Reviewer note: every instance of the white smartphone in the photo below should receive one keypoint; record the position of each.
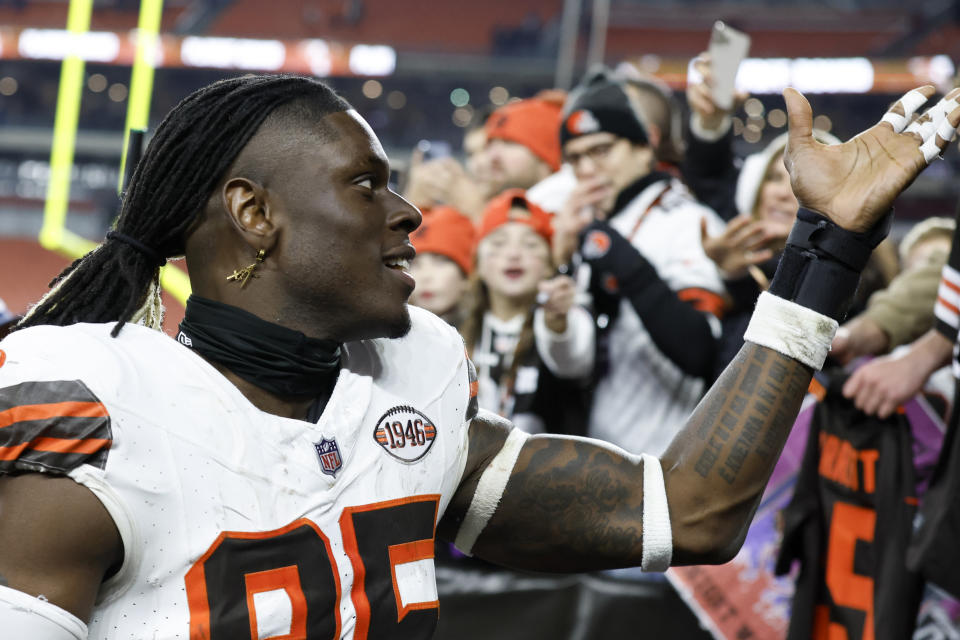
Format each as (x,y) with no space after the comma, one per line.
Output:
(728,47)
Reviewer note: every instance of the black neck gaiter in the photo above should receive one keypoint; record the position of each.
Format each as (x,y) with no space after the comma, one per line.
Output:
(277,359)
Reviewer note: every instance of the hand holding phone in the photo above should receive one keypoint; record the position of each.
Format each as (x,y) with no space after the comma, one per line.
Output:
(728,47)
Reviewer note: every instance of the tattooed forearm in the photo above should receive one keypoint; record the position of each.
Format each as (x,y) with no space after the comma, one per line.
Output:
(771,412)
(574,504)
(711,412)
(757,400)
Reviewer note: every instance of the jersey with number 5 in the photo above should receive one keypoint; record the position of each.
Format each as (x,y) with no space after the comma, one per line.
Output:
(237,523)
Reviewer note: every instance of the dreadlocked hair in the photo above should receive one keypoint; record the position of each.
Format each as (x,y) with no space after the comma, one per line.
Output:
(193,147)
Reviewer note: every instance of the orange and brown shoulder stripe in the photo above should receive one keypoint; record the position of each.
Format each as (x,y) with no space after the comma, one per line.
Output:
(52,426)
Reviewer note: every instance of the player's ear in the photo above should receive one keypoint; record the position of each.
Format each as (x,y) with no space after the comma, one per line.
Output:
(248,207)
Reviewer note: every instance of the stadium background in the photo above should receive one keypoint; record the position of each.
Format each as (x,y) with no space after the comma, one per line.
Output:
(424,70)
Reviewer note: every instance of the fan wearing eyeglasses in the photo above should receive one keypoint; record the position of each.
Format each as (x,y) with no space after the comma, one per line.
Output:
(656,294)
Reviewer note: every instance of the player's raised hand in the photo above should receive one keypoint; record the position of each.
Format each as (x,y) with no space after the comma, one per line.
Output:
(855,183)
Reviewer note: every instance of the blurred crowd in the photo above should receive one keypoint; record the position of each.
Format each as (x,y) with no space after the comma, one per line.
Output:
(595,240)
(601,254)
(601,251)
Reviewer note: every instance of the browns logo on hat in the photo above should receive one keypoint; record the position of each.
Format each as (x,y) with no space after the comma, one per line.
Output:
(533,123)
(582,122)
(446,232)
(599,103)
(512,206)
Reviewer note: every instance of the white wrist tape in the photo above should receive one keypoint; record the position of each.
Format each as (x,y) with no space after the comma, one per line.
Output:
(943,109)
(938,113)
(791,329)
(929,148)
(25,617)
(657,533)
(489,491)
(910,102)
(922,129)
(946,130)
(897,121)
(926,124)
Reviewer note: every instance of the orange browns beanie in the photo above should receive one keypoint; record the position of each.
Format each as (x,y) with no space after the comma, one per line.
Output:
(446,232)
(533,122)
(503,209)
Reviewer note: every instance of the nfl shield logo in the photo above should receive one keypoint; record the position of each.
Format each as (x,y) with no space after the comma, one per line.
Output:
(329,454)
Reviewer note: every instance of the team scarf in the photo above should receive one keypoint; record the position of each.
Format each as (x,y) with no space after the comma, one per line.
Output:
(280,360)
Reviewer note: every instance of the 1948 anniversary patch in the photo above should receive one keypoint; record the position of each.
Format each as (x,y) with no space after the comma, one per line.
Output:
(405,433)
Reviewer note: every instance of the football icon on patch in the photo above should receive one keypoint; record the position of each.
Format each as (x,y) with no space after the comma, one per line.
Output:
(405,433)
(329,454)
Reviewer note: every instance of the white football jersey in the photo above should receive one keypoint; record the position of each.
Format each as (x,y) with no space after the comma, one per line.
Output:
(645,398)
(237,523)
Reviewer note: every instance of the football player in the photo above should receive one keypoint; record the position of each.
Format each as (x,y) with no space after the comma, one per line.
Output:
(282,467)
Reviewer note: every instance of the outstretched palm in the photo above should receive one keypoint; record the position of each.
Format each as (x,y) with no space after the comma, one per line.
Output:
(855,183)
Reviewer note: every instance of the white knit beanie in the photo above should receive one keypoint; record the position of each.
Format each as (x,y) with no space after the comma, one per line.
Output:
(756,165)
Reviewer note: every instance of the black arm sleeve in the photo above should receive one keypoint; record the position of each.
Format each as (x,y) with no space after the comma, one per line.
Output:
(679,330)
(711,173)
(743,292)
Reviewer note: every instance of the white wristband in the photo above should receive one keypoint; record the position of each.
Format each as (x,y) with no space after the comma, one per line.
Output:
(791,329)
(26,616)
(657,532)
(489,490)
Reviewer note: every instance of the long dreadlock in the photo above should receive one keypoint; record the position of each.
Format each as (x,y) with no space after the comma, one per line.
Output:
(193,147)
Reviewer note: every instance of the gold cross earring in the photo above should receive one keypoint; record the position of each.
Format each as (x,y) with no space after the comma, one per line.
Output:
(242,275)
